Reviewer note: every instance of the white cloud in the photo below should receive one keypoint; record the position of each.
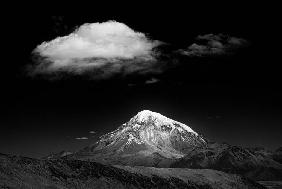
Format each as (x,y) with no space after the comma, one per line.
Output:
(81,138)
(92,132)
(103,49)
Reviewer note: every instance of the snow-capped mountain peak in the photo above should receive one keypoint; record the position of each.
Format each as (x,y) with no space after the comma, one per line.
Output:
(146,134)
(159,120)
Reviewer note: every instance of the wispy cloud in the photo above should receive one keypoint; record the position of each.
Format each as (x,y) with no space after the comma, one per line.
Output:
(81,138)
(211,45)
(92,132)
(152,81)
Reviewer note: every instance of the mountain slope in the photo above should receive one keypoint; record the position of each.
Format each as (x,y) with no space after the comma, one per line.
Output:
(58,155)
(148,136)
(253,163)
(21,172)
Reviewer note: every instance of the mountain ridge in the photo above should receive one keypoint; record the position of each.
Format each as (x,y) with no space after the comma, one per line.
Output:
(63,173)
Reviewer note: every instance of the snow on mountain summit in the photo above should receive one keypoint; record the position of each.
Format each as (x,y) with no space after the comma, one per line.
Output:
(159,120)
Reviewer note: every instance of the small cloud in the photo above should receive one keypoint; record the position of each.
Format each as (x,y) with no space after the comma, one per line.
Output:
(92,132)
(211,44)
(152,80)
(82,138)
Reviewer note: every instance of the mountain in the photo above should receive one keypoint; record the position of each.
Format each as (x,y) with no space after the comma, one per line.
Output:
(21,172)
(153,140)
(148,138)
(149,151)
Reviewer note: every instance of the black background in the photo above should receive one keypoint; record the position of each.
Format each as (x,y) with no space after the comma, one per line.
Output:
(234,99)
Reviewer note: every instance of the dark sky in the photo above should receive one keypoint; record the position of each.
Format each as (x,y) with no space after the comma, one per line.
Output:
(234,99)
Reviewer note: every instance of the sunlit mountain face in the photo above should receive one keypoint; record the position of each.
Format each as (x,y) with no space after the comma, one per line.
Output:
(157,132)
(148,136)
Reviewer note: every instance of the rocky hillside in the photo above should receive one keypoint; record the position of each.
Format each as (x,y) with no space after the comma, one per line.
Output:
(20,172)
(60,154)
(254,163)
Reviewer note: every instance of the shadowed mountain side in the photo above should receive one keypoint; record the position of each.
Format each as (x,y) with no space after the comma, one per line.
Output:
(22,172)
(58,155)
(134,159)
(254,163)
(271,184)
(277,155)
